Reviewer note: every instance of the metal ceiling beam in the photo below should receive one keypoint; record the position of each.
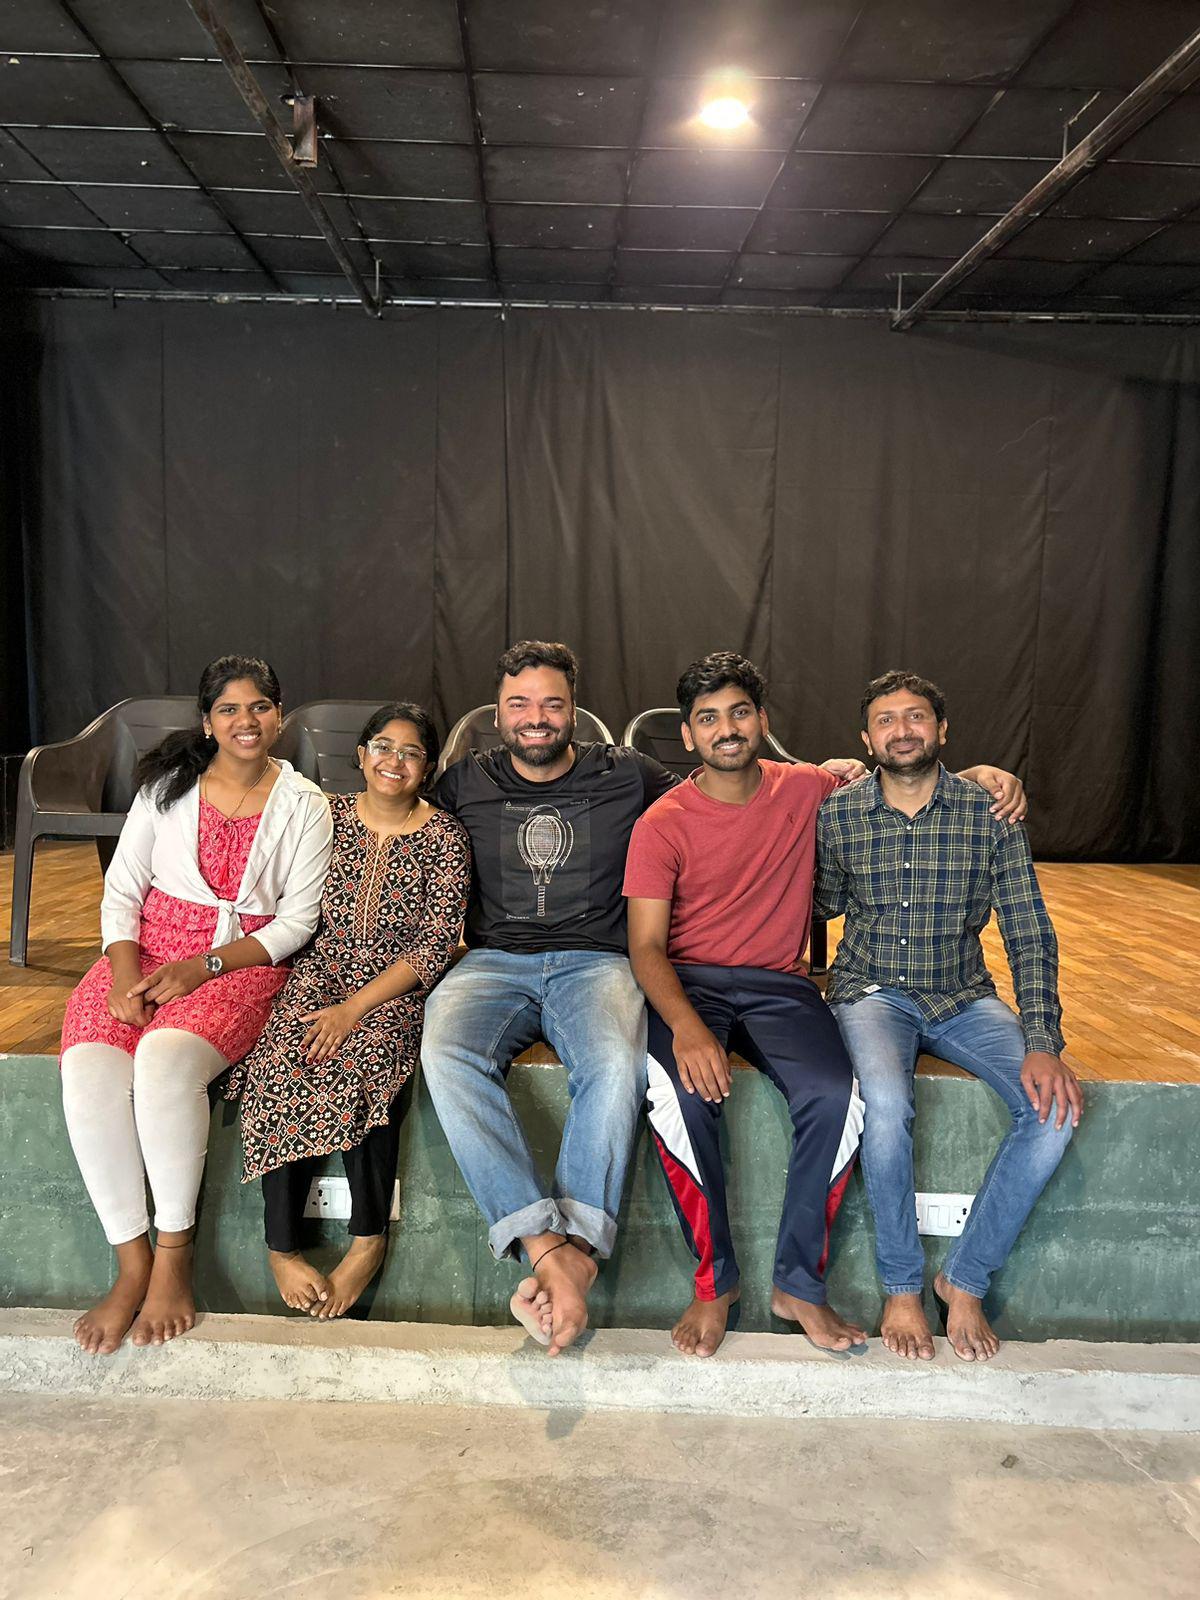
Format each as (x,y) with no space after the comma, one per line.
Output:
(464,42)
(256,103)
(1175,74)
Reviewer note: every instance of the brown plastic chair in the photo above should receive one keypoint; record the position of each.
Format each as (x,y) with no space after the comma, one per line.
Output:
(320,740)
(656,733)
(82,788)
(477,731)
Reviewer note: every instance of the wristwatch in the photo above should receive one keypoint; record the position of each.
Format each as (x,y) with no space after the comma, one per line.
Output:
(213,964)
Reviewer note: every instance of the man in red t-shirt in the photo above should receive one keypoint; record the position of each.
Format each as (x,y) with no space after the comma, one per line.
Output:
(719,881)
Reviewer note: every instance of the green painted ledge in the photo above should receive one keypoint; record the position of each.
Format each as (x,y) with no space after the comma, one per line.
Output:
(1112,1251)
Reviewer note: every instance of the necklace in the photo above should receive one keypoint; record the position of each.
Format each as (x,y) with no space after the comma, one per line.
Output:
(391,833)
(246,793)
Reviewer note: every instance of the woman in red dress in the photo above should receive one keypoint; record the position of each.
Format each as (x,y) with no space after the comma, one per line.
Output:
(215,883)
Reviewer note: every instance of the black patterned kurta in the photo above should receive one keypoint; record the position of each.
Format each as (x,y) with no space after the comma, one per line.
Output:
(385,900)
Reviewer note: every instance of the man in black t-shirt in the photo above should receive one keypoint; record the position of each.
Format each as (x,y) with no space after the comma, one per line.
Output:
(549,820)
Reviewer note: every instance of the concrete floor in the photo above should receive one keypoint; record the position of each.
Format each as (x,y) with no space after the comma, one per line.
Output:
(130,1499)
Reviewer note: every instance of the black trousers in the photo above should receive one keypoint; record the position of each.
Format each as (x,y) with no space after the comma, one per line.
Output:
(370,1171)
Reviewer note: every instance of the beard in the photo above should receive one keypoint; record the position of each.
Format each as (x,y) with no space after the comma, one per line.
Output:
(737,760)
(909,763)
(537,755)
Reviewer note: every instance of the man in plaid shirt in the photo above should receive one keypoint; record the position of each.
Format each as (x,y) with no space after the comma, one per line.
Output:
(917,861)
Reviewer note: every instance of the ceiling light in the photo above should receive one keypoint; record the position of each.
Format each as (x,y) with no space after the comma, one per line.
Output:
(725,113)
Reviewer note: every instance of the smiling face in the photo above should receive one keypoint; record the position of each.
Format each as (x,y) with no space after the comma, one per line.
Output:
(394,762)
(726,729)
(244,722)
(903,733)
(535,713)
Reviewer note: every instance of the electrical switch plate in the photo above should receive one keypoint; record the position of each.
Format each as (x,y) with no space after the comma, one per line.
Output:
(330,1197)
(943,1216)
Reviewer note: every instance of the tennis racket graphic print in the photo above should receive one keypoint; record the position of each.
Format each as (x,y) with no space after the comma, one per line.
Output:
(545,840)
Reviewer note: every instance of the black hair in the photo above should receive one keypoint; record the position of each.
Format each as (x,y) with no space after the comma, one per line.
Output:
(404,711)
(173,766)
(893,683)
(716,671)
(537,653)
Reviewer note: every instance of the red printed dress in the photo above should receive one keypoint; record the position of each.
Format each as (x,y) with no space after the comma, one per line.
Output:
(229,1011)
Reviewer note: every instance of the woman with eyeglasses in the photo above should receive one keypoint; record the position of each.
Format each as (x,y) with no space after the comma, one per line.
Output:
(215,883)
(345,1033)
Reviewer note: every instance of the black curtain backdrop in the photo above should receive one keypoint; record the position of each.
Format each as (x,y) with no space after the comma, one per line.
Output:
(380,507)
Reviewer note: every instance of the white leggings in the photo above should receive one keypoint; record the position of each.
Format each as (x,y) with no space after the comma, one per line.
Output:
(138,1117)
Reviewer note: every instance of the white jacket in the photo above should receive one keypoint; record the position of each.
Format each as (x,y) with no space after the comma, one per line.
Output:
(284,876)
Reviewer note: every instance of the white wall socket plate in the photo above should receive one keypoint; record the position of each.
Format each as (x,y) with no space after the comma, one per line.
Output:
(944,1216)
(330,1197)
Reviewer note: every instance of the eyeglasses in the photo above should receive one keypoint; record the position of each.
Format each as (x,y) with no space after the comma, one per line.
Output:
(404,752)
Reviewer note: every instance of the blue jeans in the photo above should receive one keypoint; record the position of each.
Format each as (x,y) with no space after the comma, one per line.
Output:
(492,1006)
(884,1034)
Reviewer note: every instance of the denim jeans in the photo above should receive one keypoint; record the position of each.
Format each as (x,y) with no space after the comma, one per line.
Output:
(884,1033)
(488,1009)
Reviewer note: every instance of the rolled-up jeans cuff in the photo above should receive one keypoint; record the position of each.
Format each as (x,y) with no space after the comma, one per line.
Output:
(953,1279)
(585,1222)
(904,1288)
(543,1216)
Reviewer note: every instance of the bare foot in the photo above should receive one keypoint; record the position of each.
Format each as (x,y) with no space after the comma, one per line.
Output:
(905,1330)
(968,1330)
(299,1283)
(100,1331)
(530,1305)
(822,1324)
(168,1309)
(565,1275)
(701,1328)
(352,1275)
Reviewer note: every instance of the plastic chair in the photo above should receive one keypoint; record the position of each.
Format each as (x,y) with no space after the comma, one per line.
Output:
(320,739)
(656,733)
(477,731)
(82,788)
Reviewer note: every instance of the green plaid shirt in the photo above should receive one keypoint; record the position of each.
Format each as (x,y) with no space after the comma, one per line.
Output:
(918,891)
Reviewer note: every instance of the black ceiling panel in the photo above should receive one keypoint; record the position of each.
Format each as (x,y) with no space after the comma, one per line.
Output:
(555,227)
(166,28)
(1077,239)
(553,266)
(791,272)
(106,277)
(563,111)
(91,155)
(216,282)
(881,272)
(915,234)
(1030,122)
(439,288)
(925,119)
(17,164)
(199,96)
(640,294)
(849,183)
(685,227)
(1118,190)
(126,206)
(989,188)
(807,231)
(771,38)
(168,250)
(38,25)
(738,296)
(413,171)
(1144,281)
(233,161)
(44,205)
(703,177)
(432,221)
(585,177)
(86,249)
(397,33)
(1113,43)
(75,93)
(673,266)
(326,284)
(304,255)
(433,261)
(390,104)
(1179,242)
(1028,278)
(964,41)
(255,212)
(547,36)
(777,111)
(1173,135)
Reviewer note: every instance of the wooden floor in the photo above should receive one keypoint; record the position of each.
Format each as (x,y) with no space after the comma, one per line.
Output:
(1129,936)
